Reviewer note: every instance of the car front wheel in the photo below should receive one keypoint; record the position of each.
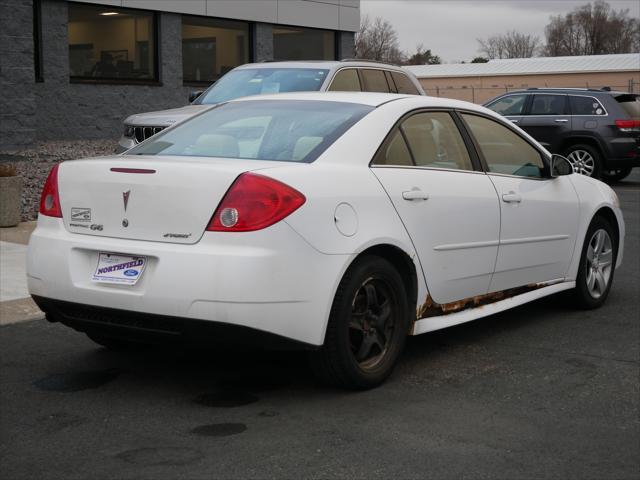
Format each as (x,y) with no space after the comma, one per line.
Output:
(367,326)
(597,264)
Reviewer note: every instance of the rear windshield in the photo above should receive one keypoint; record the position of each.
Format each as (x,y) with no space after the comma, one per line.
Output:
(257,81)
(285,130)
(630,104)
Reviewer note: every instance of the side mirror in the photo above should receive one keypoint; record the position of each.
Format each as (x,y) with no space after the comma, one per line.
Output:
(560,166)
(194,94)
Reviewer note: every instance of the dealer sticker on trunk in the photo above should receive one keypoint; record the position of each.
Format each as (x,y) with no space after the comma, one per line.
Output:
(120,269)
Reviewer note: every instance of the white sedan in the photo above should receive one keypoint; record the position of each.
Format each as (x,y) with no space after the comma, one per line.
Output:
(339,222)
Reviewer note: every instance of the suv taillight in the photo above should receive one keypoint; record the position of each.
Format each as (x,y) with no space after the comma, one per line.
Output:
(50,200)
(628,125)
(254,202)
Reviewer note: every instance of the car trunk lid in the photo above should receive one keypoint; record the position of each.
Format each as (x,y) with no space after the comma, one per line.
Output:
(162,199)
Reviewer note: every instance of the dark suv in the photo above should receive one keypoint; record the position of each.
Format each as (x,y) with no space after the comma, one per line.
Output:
(597,130)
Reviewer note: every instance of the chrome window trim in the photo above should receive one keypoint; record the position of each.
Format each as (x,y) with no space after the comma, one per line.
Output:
(418,167)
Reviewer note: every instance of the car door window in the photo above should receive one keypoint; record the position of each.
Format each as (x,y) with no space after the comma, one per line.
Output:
(390,82)
(374,81)
(346,81)
(504,150)
(403,84)
(435,141)
(549,105)
(586,106)
(509,105)
(394,151)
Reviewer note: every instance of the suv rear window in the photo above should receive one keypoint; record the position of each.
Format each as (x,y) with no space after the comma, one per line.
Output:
(285,130)
(403,84)
(630,104)
(581,105)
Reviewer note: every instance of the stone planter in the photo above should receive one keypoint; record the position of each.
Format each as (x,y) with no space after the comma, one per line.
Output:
(10,201)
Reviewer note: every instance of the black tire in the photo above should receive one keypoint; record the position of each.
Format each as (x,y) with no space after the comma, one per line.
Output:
(111,343)
(364,337)
(615,175)
(583,295)
(585,159)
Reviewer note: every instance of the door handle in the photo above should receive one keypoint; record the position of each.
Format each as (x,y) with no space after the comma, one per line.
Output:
(415,194)
(513,120)
(561,120)
(511,197)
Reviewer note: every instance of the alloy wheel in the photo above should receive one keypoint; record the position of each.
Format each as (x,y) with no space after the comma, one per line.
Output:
(372,322)
(599,263)
(582,162)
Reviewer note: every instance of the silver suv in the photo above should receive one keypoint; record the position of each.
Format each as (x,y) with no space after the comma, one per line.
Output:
(275,77)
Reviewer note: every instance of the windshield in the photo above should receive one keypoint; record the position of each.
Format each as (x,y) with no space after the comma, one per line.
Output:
(257,81)
(285,130)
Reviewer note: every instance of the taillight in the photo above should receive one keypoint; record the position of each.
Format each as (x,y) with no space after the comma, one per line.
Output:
(50,200)
(254,202)
(628,125)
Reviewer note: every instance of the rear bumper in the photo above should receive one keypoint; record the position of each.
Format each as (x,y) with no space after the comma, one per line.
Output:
(623,152)
(149,328)
(271,280)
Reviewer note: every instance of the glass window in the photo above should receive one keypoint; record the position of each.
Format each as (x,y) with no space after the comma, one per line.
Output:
(504,150)
(549,105)
(630,103)
(374,80)
(346,81)
(509,105)
(291,43)
(404,84)
(394,151)
(586,106)
(285,130)
(111,43)
(435,141)
(212,47)
(255,81)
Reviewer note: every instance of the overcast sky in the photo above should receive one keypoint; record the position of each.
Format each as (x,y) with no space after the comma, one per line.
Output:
(450,27)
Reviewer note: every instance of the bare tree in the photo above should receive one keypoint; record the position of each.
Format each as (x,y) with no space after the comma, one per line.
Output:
(593,29)
(510,45)
(378,40)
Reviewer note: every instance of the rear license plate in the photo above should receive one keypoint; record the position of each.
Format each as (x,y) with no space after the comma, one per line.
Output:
(120,269)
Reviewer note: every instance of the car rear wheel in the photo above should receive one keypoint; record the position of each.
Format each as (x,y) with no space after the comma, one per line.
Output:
(585,160)
(367,326)
(597,264)
(616,175)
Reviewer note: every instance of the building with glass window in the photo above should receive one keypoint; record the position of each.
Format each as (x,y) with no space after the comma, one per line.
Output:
(72,69)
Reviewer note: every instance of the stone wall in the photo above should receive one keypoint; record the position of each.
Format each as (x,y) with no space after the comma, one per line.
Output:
(17,97)
(87,110)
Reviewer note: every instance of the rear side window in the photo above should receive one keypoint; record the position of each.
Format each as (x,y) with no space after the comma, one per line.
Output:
(586,106)
(509,105)
(504,151)
(630,104)
(435,141)
(374,81)
(394,151)
(285,130)
(346,81)
(549,105)
(404,84)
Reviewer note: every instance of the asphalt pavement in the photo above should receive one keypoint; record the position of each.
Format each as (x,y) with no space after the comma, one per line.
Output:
(542,391)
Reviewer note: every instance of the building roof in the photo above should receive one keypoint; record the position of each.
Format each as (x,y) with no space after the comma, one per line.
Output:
(532,66)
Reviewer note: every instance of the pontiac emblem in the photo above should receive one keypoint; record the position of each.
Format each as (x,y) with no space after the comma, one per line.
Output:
(125,199)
